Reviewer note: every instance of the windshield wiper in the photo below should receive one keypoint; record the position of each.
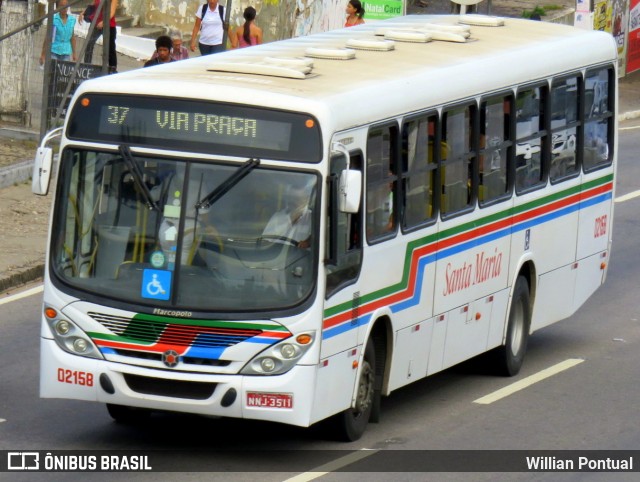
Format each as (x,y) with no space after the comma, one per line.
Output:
(227,184)
(137,175)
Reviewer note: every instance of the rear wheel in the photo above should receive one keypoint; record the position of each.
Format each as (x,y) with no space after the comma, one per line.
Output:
(351,424)
(511,354)
(129,415)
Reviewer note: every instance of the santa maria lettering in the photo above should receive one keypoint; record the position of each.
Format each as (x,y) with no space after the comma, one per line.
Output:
(206,123)
(487,266)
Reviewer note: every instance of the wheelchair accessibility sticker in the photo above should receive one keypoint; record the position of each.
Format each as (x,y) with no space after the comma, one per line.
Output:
(156,284)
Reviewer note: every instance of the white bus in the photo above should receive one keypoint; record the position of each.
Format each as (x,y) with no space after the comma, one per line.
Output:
(270,234)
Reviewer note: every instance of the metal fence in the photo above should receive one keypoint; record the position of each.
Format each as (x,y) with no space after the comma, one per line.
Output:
(25,102)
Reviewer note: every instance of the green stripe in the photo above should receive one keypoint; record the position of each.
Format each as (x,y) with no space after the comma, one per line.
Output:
(117,338)
(231,325)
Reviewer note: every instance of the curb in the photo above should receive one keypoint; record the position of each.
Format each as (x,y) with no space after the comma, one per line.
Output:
(20,134)
(16,173)
(24,276)
(629,115)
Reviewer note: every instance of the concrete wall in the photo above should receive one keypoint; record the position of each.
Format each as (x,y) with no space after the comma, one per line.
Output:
(279,19)
(14,60)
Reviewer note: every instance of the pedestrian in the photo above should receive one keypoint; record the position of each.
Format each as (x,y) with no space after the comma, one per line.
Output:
(249,33)
(97,32)
(210,26)
(355,13)
(178,51)
(63,44)
(162,53)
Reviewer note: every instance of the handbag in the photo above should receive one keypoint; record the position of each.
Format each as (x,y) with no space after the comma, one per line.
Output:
(88,13)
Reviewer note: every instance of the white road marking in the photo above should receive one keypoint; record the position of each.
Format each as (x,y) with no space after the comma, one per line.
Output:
(530,380)
(3,420)
(24,294)
(626,197)
(628,128)
(332,466)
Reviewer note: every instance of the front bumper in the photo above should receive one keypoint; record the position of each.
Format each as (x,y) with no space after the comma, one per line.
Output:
(63,375)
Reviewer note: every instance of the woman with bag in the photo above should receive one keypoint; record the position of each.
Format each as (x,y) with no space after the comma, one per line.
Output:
(210,25)
(97,32)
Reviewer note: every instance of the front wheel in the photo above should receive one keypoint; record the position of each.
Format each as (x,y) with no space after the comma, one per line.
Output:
(351,424)
(511,354)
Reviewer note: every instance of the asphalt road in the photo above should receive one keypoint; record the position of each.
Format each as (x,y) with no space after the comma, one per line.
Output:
(592,405)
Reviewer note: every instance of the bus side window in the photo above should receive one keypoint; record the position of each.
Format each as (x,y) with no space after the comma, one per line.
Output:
(344,232)
(531,138)
(381,183)
(598,115)
(495,147)
(419,167)
(457,160)
(564,128)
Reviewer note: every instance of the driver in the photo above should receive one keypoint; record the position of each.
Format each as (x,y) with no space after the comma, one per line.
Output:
(293,223)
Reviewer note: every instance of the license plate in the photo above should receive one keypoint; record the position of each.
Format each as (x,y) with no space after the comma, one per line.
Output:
(269,400)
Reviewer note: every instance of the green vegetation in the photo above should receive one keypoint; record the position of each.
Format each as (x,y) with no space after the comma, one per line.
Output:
(540,11)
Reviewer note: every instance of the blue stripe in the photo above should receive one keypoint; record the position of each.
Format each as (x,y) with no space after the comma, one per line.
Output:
(207,353)
(596,200)
(263,341)
(346,326)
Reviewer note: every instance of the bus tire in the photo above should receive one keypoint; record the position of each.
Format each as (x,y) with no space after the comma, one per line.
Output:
(352,423)
(128,415)
(511,354)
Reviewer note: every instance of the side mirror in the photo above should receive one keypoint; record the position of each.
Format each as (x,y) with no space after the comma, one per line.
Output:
(42,171)
(42,164)
(349,191)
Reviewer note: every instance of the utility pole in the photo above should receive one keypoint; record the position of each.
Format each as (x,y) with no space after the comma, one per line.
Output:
(106,35)
(46,82)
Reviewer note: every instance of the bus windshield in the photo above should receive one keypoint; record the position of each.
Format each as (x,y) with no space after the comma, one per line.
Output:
(185,234)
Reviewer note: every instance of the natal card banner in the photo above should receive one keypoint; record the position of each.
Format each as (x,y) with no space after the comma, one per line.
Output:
(611,16)
(633,47)
(382,9)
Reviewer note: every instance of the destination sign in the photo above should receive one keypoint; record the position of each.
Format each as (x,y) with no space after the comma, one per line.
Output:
(187,125)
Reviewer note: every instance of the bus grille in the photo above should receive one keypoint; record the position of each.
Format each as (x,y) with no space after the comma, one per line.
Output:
(169,388)
(189,360)
(151,331)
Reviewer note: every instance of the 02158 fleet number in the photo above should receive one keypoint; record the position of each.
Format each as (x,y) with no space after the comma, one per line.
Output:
(75,377)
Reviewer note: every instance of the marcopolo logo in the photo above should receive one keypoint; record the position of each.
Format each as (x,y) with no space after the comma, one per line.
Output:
(23,461)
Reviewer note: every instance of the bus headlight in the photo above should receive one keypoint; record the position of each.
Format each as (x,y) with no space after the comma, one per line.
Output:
(62,327)
(72,339)
(281,357)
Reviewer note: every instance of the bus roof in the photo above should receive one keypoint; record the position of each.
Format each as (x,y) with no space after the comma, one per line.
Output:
(376,84)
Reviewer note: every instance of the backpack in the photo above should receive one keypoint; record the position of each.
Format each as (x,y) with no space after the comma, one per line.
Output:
(205,7)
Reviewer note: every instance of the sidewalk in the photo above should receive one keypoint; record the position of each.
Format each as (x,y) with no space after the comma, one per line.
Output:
(24,217)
